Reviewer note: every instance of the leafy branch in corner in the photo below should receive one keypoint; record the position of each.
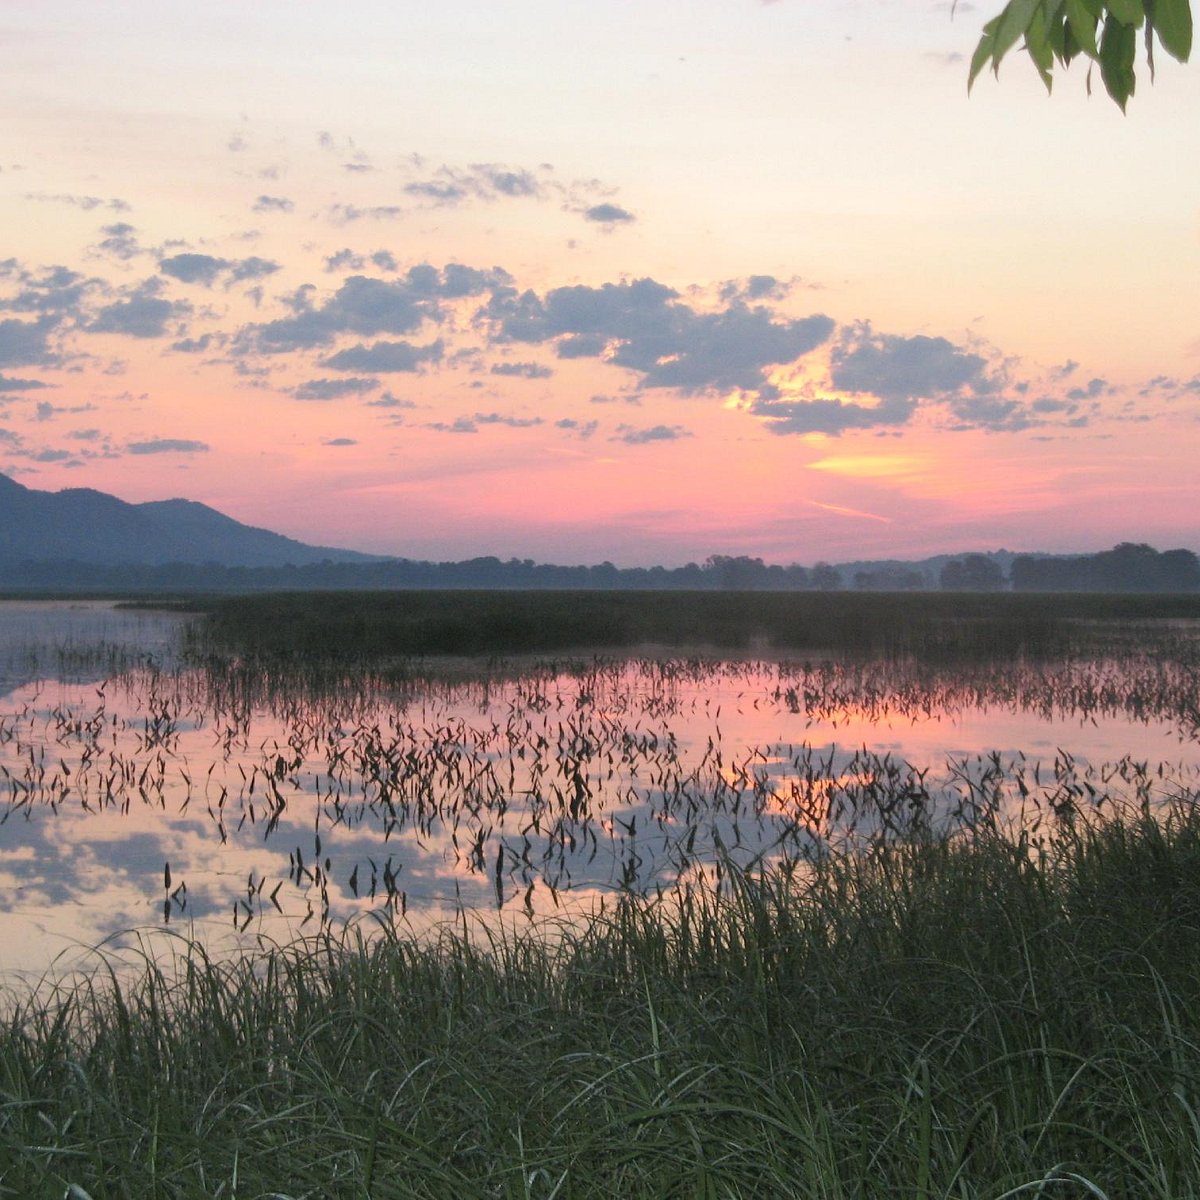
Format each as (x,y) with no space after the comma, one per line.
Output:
(1103,31)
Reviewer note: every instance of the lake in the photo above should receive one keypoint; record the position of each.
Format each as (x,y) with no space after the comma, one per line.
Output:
(141,793)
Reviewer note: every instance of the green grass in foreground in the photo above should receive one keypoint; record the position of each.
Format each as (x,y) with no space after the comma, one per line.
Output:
(946,1020)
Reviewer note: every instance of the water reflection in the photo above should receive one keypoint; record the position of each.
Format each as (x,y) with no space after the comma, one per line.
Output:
(203,800)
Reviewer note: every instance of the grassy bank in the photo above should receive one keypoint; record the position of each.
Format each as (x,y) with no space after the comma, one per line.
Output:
(967,1019)
(350,627)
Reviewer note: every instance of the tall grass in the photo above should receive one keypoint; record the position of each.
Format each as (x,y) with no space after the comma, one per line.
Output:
(978,1017)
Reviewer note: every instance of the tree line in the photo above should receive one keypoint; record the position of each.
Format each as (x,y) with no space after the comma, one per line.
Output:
(1128,567)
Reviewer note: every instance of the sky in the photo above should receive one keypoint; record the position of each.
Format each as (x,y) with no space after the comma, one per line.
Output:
(637,282)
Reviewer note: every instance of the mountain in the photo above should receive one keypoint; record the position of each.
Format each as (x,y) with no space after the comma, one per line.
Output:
(86,526)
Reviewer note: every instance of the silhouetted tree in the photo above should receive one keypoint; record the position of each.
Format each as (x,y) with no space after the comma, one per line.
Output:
(972,573)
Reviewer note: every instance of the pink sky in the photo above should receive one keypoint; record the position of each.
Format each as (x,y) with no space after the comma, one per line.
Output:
(637,282)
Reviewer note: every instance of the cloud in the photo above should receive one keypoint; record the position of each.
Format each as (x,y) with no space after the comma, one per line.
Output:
(471,424)
(26,343)
(608,214)
(384,357)
(644,326)
(205,269)
(581,429)
(120,241)
(268,204)
(754,287)
(368,306)
(143,313)
(387,400)
(1094,388)
(494,418)
(522,370)
(993,413)
(167,446)
(9,383)
(459,425)
(251,268)
(655,433)
(829,416)
(193,268)
(87,203)
(196,345)
(340,441)
(56,289)
(333,389)
(900,368)
(450,186)
(344,259)
(344,214)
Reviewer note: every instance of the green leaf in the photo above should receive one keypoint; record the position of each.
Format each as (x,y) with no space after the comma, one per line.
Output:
(1037,43)
(1014,21)
(1083,26)
(1128,12)
(984,51)
(1172,21)
(1118,44)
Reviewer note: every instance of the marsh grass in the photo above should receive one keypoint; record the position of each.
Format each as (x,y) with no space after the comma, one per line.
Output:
(317,629)
(975,1017)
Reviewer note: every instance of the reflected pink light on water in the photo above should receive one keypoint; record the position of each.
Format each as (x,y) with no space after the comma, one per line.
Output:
(167,798)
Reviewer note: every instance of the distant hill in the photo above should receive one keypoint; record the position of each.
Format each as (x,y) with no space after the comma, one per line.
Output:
(85,526)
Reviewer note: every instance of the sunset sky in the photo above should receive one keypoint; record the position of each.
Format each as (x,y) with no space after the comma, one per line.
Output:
(641,282)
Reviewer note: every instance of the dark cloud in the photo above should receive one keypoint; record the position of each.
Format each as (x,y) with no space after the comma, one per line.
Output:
(581,429)
(26,343)
(608,214)
(167,446)
(56,289)
(340,441)
(120,241)
(251,268)
(9,383)
(655,433)
(829,416)
(644,326)
(193,268)
(387,400)
(45,411)
(385,260)
(449,186)
(899,368)
(195,345)
(368,306)
(267,204)
(581,345)
(1047,404)
(1094,388)
(143,313)
(334,389)
(754,287)
(205,269)
(471,424)
(384,357)
(522,370)
(992,413)
(459,425)
(343,260)
(494,418)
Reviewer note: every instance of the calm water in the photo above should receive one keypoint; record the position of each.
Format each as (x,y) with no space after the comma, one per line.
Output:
(134,794)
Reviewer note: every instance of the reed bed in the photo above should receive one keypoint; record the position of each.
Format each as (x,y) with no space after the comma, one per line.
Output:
(356,628)
(967,1017)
